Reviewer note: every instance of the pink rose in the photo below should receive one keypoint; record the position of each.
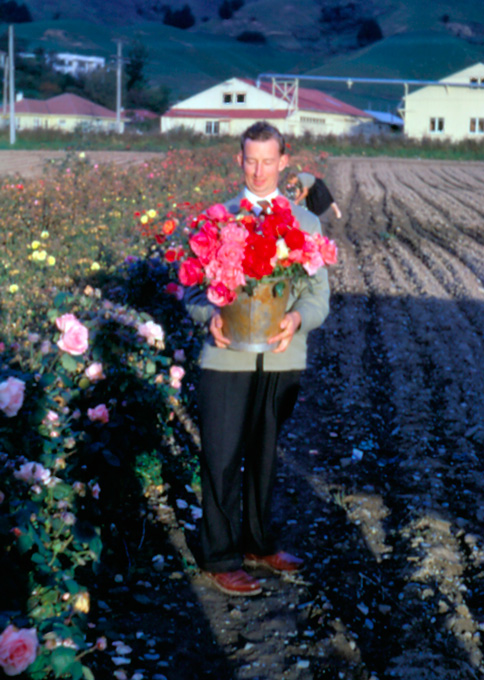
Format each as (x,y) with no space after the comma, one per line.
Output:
(234,233)
(100,414)
(18,649)
(219,295)
(95,371)
(191,272)
(205,242)
(218,212)
(11,396)
(327,248)
(74,337)
(152,331)
(176,376)
(232,277)
(230,253)
(32,473)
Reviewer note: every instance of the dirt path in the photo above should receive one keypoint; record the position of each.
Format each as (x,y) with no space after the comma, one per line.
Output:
(29,164)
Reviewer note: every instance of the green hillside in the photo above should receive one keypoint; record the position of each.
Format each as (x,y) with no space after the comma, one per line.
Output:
(416,56)
(185,62)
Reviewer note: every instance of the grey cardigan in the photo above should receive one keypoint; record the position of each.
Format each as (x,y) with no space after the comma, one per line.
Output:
(309,298)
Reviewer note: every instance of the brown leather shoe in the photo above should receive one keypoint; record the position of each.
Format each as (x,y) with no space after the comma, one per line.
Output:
(235,582)
(279,562)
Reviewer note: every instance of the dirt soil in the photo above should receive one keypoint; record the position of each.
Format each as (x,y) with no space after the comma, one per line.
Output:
(381,484)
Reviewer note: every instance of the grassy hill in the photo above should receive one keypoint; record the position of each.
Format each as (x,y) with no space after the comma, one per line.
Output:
(419,44)
(185,62)
(416,56)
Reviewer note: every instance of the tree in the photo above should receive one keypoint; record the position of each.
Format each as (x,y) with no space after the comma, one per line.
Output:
(182,18)
(12,12)
(254,37)
(135,67)
(369,32)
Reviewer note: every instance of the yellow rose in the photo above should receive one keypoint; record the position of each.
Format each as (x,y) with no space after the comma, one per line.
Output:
(35,255)
(143,219)
(152,213)
(34,245)
(95,266)
(42,255)
(82,602)
(13,288)
(44,234)
(51,260)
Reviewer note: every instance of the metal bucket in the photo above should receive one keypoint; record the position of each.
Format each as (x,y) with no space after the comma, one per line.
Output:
(252,319)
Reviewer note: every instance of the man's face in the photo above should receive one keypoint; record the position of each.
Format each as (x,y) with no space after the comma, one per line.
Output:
(261,163)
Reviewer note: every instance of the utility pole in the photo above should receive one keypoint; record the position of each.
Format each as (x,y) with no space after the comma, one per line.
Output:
(11,80)
(119,71)
(5,83)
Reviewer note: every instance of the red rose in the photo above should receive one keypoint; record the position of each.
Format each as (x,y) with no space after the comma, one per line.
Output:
(294,239)
(259,251)
(191,272)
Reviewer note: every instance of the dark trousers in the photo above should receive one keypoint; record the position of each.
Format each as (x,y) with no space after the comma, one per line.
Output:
(241,414)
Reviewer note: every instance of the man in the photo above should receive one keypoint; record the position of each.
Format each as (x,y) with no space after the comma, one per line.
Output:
(244,398)
(306,189)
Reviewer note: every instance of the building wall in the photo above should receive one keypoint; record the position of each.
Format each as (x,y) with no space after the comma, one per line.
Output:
(452,113)
(32,121)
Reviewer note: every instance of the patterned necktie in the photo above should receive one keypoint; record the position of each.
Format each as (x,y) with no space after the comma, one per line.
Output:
(265,207)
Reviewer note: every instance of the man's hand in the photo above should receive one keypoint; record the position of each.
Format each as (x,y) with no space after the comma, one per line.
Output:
(289,325)
(216,324)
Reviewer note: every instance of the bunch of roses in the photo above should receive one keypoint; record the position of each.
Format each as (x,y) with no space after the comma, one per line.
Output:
(227,250)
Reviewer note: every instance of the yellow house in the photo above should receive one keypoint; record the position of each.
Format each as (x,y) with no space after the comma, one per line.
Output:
(65,112)
(230,107)
(453,112)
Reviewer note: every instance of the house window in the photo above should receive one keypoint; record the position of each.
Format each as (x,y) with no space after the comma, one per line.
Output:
(476,126)
(436,125)
(212,127)
(240,97)
(227,97)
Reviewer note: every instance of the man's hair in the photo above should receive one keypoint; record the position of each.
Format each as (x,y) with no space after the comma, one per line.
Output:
(261,132)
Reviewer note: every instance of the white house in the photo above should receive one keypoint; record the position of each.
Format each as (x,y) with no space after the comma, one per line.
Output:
(448,112)
(76,64)
(230,107)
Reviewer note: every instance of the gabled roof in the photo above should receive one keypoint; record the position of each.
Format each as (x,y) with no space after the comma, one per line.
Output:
(308,100)
(315,100)
(64,105)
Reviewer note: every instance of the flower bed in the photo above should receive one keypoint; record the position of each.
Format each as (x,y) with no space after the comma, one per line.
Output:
(96,361)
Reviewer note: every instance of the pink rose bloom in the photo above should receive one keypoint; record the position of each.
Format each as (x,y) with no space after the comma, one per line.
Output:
(218,212)
(32,473)
(281,202)
(11,396)
(190,272)
(327,248)
(98,414)
(74,337)
(230,253)
(219,295)
(176,376)
(205,242)
(18,649)
(232,277)
(95,371)
(233,232)
(95,490)
(312,256)
(152,332)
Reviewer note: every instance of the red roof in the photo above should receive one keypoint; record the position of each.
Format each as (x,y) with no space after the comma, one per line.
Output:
(64,105)
(315,100)
(224,113)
